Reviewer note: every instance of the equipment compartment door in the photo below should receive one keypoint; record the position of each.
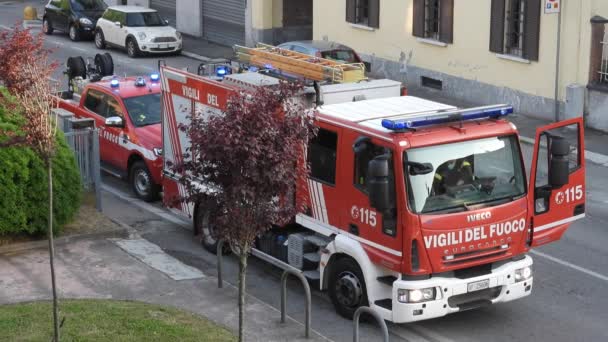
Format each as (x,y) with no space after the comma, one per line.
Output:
(553,206)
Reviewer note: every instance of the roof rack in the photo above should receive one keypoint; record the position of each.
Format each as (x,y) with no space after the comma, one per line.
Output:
(412,121)
(309,67)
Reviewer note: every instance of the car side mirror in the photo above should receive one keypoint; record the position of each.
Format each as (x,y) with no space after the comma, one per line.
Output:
(166,21)
(115,121)
(559,171)
(378,183)
(117,23)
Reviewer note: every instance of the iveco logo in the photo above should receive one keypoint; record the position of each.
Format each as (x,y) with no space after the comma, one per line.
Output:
(479,216)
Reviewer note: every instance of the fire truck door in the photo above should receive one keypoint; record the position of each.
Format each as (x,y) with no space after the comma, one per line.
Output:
(556,195)
(377,230)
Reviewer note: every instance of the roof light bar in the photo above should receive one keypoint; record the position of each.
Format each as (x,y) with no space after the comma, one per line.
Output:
(447,116)
(154,77)
(114,83)
(140,82)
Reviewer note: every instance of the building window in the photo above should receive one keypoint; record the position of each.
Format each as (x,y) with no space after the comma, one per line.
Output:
(433,19)
(363,12)
(515,28)
(603,70)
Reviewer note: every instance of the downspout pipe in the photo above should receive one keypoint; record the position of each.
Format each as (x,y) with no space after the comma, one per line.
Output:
(557,61)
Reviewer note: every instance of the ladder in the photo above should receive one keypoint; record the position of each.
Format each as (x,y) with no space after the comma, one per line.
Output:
(300,64)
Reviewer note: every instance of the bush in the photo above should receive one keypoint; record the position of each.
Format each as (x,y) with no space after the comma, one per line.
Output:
(23,185)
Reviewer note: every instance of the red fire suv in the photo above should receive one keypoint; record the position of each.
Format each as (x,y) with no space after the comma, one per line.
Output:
(127,113)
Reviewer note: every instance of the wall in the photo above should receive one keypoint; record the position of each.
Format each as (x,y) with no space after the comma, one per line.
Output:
(467,68)
(267,24)
(194,23)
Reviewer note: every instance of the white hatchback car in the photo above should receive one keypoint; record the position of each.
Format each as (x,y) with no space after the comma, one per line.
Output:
(137,29)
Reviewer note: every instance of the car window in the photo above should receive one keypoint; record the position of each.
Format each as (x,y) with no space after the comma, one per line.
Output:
(340,55)
(144,110)
(64,4)
(300,49)
(145,19)
(113,107)
(88,5)
(108,15)
(94,101)
(121,17)
(56,3)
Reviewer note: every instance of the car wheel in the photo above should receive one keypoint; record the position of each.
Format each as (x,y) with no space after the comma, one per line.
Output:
(347,287)
(206,232)
(100,41)
(47,27)
(142,183)
(74,33)
(132,48)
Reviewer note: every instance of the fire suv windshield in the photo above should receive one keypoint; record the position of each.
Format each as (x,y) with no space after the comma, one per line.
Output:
(476,172)
(144,110)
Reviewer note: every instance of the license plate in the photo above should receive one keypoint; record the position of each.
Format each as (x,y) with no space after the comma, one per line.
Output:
(478,285)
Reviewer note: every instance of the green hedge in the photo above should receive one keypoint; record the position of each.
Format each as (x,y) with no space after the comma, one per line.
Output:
(24,189)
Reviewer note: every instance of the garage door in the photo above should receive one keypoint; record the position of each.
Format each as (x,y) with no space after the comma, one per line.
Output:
(224,21)
(166,9)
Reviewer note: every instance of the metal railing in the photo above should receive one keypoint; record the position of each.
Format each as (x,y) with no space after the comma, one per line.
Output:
(304,282)
(83,139)
(380,320)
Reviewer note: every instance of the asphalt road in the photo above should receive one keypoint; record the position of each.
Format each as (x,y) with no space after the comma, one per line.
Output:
(568,302)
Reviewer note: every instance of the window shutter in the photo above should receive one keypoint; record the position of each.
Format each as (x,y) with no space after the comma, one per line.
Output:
(446,23)
(531,29)
(374,13)
(350,11)
(497,26)
(418,19)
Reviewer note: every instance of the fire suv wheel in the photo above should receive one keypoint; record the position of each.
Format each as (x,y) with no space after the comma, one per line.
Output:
(205,231)
(347,287)
(73,33)
(100,40)
(142,183)
(132,48)
(47,27)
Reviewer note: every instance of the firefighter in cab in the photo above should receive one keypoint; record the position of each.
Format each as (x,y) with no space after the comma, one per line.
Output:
(452,173)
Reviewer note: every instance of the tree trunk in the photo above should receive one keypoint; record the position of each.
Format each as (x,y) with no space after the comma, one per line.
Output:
(242,273)
(52,253)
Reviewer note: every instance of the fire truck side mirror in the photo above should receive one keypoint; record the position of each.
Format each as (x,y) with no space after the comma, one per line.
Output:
(114,121)
(559,170)
(378,183)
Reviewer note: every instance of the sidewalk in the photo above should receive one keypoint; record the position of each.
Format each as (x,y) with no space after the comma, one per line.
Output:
(100,268)
(596,142)
(204,50)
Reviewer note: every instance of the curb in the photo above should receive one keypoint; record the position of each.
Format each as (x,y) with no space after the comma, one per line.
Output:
(195,56)
(596,158)
(24,246)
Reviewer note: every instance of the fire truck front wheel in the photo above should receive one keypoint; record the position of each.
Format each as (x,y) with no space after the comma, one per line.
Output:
(205,232)
(347,288)
(142,183)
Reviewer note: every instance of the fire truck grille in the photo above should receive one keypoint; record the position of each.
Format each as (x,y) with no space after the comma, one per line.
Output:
(164,40)
(478,255)
(475,299)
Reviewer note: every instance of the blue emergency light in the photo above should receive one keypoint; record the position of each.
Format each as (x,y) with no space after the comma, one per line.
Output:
(445,117)
(114,83)
(154,77)
(221,71)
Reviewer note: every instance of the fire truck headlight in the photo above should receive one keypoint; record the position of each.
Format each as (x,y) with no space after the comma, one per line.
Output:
(158,151)
(416,296)
(523,274)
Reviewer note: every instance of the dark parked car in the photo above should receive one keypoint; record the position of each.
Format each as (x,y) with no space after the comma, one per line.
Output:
(76,17)
(324,49)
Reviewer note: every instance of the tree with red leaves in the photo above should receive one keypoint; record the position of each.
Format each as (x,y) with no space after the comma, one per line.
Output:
(25,71)
(246,165)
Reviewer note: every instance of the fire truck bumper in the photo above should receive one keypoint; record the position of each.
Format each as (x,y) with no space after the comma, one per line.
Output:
(505,283)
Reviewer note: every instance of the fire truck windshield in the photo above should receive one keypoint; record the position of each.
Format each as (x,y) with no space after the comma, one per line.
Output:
(475,172)
(144,110)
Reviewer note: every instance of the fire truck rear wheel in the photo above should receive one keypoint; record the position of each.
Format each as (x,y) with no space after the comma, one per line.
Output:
(205,231)
(142,183)
(347,288)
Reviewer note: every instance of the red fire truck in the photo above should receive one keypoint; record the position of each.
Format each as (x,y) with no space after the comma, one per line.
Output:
(416,208)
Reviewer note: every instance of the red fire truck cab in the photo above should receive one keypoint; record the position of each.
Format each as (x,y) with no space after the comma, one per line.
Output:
(415,208)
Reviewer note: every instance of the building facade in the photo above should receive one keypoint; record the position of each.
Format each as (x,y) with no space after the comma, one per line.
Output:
(484,51)
(229,22)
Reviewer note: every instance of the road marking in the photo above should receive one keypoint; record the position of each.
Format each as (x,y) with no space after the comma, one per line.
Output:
(153,256)
(572,266)
(148,207)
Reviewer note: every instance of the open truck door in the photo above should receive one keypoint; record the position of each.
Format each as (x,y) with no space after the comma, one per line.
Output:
(556,195)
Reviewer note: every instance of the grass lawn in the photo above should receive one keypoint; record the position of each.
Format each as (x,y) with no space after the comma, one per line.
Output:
(104,320)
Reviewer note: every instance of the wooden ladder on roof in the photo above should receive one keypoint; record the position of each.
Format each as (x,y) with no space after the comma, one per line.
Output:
(300,64)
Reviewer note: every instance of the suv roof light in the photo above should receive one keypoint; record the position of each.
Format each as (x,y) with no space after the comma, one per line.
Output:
(428,119)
